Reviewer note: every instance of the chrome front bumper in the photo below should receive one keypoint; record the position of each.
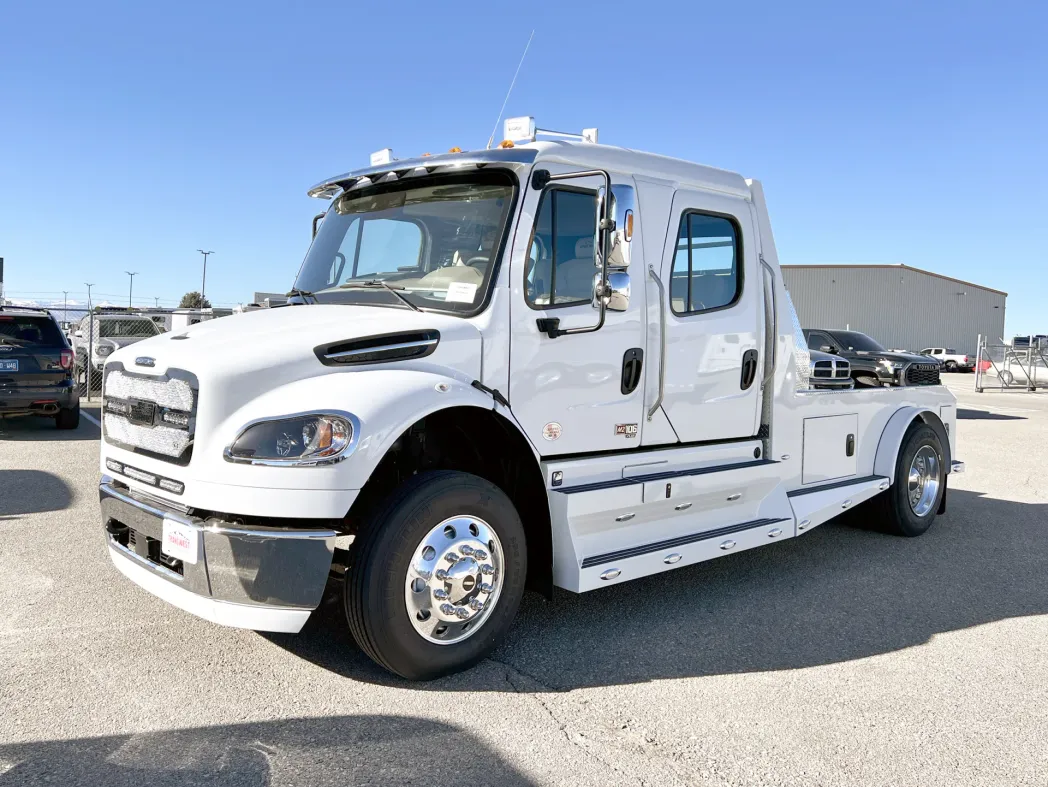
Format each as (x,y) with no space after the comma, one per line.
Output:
(262,578)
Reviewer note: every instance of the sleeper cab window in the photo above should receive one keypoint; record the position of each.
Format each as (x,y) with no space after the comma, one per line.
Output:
(562,259)
(705,272)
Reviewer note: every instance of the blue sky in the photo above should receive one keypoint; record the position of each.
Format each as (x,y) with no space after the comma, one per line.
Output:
(133,134)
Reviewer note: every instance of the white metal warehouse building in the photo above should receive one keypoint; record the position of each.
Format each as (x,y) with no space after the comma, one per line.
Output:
(899,306)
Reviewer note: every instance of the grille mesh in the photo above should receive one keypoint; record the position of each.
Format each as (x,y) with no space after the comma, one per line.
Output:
(176,394)
(923,374)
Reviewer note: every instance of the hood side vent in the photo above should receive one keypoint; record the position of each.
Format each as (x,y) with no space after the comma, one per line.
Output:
(384,348)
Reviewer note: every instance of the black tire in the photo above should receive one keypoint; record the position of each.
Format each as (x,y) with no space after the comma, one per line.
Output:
(68,417)
(951,366)
(867,381)
(374,590)
(892,508)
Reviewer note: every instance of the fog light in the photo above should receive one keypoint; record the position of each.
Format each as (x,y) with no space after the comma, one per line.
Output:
(172,486)
(114,465)
(138,475)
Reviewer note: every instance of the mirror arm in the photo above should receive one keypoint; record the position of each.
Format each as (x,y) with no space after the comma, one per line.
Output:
(607,226)
(316,221)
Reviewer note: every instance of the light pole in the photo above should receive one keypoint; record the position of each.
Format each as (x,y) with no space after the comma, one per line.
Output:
(130,286)
(65,305)
(203,280)
(156,301)
(90,342)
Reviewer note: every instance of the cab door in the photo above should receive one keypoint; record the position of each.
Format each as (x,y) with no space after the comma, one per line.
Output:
(579,392)
(713,318)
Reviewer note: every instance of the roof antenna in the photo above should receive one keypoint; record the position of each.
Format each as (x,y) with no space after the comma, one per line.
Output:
(511,84)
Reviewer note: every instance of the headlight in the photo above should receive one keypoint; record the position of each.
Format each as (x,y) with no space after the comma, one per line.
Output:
(102,350)
(309,439)
(891,365)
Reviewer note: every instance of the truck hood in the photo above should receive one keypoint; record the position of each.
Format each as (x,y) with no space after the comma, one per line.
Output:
(245,355)
(896,357)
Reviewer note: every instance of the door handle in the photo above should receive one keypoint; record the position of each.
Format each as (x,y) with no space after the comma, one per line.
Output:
(631,366)
(749,368)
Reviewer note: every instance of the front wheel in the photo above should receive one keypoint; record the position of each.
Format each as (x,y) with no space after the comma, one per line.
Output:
(951,366)
(910,504)
(436,577)
(867,381)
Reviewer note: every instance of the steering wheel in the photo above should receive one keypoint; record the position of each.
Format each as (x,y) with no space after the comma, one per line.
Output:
(474,261)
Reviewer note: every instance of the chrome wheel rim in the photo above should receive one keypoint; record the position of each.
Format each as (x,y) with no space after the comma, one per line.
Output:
(454,579)
(922,485)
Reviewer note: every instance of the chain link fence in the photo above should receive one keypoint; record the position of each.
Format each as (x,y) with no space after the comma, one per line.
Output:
(1022,365)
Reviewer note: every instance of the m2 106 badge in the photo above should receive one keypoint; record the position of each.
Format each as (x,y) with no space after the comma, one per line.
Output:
(629,431)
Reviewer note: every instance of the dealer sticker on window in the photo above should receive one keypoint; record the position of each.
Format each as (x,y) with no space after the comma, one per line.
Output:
(181,542)
(461,292)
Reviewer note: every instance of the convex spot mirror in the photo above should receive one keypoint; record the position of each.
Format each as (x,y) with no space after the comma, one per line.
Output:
(619,244)
(617,296)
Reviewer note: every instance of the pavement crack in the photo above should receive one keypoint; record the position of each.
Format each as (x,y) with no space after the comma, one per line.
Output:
(573,736)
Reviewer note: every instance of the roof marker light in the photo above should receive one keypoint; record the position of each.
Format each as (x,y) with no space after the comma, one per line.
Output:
(380,157)
(506,143)
(455,149)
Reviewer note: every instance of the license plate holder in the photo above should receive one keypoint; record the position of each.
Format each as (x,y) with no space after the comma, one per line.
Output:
(142,412)
(9,366)
(180,541)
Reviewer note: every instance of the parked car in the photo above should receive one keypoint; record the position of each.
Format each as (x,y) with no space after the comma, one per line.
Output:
(829,372)
(871,364)
(111,331)
(951,360)
(36,368)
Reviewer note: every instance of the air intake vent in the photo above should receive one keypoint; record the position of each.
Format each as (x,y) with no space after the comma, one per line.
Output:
(379,349)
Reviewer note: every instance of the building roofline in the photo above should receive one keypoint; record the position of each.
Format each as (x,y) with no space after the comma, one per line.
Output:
(901,266)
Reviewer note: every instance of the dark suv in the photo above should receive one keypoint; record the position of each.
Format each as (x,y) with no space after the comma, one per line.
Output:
(36,367)
(871,364)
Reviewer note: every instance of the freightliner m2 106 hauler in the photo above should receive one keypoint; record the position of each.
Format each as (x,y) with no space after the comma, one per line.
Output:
(551,364)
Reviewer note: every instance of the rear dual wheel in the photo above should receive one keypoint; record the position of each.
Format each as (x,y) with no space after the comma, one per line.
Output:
(437,575)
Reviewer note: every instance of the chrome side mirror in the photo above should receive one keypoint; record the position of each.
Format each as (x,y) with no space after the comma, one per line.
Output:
(617,295)
(623,201)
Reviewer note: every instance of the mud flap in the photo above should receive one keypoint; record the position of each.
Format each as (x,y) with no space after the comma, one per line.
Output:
(945,488)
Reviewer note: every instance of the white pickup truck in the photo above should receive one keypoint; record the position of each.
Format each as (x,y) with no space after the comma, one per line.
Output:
(951,360)
(551,364)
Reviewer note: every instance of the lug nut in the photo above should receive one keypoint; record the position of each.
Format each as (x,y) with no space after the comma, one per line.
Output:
(476,605)
(487,568)
(466,550)
(447,609)
(462,613)
(451,557)
(441,594)
(480,554)
(442,574)
(485,588)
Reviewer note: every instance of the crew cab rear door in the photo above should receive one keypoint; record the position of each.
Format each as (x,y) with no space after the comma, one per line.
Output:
(713,318)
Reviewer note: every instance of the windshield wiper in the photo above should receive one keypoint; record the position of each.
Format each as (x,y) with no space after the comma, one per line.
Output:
(379,283)
(303,294)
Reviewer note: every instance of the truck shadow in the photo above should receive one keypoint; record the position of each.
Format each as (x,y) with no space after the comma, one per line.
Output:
(37,429)
(985,415)
(366,749)
(31,492)
(841,592)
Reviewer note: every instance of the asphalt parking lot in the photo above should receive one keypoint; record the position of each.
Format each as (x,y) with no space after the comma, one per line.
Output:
(842,657)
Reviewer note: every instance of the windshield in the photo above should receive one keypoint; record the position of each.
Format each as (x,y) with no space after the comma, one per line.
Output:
(112,328)
(436,241)
(860,342)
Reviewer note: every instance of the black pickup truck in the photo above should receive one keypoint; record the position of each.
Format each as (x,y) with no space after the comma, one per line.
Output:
(871,364)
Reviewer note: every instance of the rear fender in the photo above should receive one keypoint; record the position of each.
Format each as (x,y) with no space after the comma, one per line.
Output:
(894,432)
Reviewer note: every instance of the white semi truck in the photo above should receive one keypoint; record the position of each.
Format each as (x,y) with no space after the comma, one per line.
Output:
(552,364)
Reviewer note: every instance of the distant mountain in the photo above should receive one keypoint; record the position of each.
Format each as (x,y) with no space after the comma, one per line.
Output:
(68,311)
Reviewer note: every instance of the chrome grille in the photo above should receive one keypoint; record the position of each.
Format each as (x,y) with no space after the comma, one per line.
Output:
(136,411)
(831,370)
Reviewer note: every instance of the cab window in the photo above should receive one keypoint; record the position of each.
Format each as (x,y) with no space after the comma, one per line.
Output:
(705,274)
(562,259)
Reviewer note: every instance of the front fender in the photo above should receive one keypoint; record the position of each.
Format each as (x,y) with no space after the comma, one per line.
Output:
(386,402)
(894,432)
